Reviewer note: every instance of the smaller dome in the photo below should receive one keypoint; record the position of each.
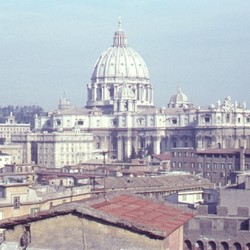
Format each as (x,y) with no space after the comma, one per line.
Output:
(178,100)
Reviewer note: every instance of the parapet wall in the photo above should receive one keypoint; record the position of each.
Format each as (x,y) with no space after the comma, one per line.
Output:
(218,228)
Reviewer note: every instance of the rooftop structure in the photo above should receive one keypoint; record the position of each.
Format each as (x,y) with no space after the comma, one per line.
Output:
(18,197)
(227,227)
(124,221)
(179,100)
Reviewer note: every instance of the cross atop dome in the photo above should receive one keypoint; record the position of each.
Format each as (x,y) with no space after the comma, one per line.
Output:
(178,89)
(120,39)
(119,23)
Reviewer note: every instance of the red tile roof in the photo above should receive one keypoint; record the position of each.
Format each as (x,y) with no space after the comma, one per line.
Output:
(161,217)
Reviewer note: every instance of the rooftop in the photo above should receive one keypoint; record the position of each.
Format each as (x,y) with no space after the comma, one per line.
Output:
(158,216)
(162,157)
(174,181)
(134,213)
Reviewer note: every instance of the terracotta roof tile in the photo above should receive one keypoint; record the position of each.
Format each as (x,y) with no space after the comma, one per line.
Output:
(162,217)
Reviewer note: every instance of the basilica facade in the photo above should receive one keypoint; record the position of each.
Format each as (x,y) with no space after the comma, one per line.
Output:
(121,116)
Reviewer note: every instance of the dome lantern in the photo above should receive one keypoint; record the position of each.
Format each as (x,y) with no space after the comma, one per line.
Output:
(120,39)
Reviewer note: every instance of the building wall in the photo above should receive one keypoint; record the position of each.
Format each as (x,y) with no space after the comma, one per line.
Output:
(15,151)
(217,229)
(32,201)
(220,166)
(234,198)
(74,232)
(175,240)
(224,125)
(4,159)
(11,127)
(56,149)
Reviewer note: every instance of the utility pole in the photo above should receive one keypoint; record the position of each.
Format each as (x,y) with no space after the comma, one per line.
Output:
(104,173)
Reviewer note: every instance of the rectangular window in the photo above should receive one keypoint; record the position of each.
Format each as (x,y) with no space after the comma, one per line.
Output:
(207,119)
(198,196)
(34,210)
(16,202)
(174,153)
(199,164)
(184,197)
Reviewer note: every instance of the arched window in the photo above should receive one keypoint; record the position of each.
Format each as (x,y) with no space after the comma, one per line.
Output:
(187,245)
(211,245)
(237,246)
(248,246)
(199,245)
(224,246)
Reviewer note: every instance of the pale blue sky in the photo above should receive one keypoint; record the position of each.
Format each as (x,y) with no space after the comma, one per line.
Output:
(50,46)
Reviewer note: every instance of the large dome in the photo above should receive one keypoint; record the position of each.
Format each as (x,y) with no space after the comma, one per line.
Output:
(120,67)
(117,62)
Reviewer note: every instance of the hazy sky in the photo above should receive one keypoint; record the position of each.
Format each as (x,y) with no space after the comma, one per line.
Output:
(48,47)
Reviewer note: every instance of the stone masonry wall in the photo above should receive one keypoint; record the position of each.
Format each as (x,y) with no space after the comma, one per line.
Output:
(234,198)
(73,232)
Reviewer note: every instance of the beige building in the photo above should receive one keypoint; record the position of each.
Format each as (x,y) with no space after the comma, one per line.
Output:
(11,127)
(57,149)
(18,198)
(15,151)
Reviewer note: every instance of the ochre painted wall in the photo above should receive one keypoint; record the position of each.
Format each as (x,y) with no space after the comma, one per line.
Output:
(73,232)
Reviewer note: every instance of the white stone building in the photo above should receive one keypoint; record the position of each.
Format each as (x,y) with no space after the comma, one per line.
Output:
(4,159)
(122,118)
(15,151)
(57,149)
(11,127)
